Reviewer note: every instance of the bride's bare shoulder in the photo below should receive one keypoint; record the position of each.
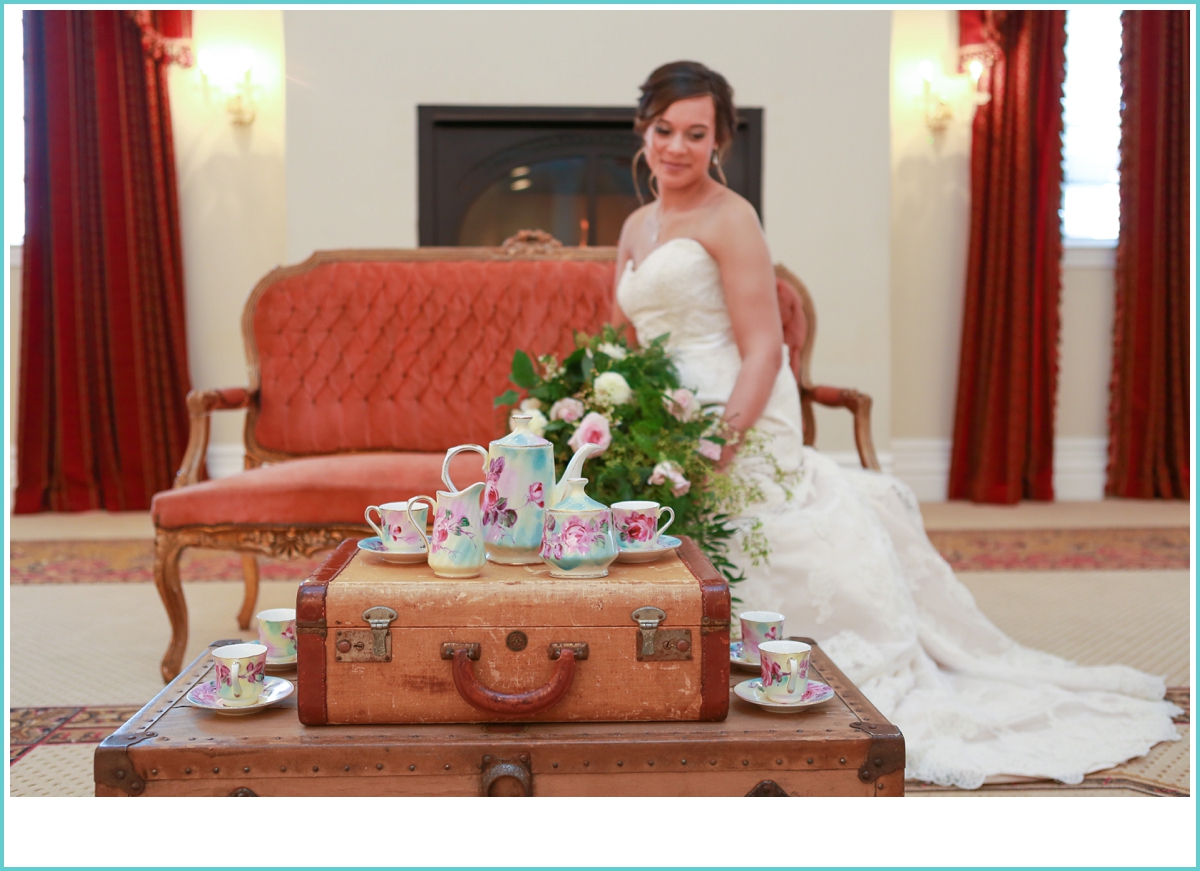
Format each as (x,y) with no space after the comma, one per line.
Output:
(731,221)
(631,231)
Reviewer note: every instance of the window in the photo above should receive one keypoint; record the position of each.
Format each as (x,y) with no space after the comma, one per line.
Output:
(1091,209)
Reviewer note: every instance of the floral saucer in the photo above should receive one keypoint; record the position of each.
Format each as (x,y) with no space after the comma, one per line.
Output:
(751,691)
(204,695)
(666,544)
(736,658)
(375,547)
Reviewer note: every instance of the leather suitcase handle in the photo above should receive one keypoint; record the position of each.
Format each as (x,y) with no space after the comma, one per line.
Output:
(535,701)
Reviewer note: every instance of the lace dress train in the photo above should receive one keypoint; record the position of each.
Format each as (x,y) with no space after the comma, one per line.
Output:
(850,565)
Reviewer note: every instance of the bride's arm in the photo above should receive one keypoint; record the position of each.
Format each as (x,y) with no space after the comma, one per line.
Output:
(618,317)
(741,252)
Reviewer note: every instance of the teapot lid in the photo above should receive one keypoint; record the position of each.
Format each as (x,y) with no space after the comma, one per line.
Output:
(521,436)
(576,500)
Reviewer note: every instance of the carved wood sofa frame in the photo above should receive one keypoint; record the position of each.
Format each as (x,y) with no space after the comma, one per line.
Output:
(277,539)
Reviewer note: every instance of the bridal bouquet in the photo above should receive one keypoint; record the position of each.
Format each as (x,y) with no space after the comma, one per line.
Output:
(657,441)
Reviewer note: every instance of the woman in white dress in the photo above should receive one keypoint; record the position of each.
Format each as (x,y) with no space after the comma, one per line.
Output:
(850,563)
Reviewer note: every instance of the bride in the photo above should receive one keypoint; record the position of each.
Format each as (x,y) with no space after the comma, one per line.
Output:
(850,563)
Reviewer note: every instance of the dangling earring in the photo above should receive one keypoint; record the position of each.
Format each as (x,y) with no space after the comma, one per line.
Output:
(716,162)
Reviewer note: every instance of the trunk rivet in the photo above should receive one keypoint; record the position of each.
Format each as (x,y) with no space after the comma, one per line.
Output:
(619,763)
(216,771)
(842,760)
(779,762)
(187,771)
(879,763)
(651,762)
(447,766)
(810,760)
(154,771)
(745,762)
(412,768)
(120,775)
(555,764)
(315,768)
(586,763)
(683,762)
(347,768)
(283,768)
(879,786)
(712,762)
(379,766)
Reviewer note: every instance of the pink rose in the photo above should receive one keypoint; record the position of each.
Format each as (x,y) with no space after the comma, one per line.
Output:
(568,409)
(682,404)
(576,537)
(709,450)
(536,495)
(491,495)
(595,429)
(639,527)
(668,471)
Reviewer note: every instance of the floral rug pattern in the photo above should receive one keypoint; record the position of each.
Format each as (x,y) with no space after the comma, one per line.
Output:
(61,562)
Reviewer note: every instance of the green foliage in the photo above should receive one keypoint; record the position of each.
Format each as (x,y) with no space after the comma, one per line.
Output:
(654,450)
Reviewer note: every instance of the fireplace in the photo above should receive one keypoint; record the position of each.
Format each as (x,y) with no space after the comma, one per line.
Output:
(485,172)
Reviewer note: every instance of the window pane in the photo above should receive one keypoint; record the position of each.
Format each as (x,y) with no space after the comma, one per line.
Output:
(1092,124)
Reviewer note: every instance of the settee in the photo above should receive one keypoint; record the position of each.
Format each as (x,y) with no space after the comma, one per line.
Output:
(365,366)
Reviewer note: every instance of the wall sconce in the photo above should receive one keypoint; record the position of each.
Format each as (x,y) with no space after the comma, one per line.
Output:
(229,70)
(975,71)
(937,110)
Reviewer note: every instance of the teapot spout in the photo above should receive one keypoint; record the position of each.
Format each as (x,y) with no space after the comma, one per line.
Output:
(572,471)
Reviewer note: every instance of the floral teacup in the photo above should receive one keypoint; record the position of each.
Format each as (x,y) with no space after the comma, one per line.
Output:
(277,632)
(397,532)
(240,671)
(784,669)
(757,627)
(636,524)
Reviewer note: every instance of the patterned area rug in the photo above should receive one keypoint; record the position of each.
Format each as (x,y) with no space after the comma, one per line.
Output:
(58,562)
(1064,549)
(32,727)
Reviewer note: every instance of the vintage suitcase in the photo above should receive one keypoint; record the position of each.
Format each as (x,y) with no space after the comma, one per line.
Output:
(841,747)
(380,643)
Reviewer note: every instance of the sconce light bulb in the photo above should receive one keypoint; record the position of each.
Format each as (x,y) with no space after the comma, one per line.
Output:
(976,69)
(927,70)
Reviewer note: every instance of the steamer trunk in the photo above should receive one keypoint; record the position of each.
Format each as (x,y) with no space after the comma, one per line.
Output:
(512,644)
(841,747)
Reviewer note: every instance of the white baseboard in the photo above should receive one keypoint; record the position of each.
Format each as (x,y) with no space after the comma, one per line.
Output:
(225,459)
(924,465)
(1079,467)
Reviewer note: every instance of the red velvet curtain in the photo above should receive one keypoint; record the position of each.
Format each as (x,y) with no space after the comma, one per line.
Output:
(1148,422)
(102,421)
(1008,364)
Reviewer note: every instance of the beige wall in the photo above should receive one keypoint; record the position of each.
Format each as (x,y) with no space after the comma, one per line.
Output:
(356,78)
(231,197)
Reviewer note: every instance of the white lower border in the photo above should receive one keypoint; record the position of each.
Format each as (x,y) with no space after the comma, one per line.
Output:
(1079,467)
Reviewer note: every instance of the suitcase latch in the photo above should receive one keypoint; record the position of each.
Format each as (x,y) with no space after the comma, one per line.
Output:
(658,645)
(367,645)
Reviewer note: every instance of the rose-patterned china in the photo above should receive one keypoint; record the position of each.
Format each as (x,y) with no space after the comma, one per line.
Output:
(519,484)
(456,545)
(737,658)
(757,627)
(751,691)
(277,632)
(784,669)
(578,541)
(240,671)
(205,695)
(636,524)
(376,547)
(666,544)
(395,530)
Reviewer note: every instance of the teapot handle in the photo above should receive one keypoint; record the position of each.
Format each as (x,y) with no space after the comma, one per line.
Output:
(450,455)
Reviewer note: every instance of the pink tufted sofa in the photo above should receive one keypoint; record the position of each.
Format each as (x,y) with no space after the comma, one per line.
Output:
(365,366)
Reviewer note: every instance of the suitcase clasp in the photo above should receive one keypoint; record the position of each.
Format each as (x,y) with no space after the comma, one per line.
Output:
(379,618)
(647,619)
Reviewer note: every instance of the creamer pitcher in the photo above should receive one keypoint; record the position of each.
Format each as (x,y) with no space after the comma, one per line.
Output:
(456,547)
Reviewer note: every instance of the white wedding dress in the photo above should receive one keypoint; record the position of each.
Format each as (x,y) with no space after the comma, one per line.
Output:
(851,566)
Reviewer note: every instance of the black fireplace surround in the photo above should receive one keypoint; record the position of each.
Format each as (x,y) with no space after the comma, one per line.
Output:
(485,172)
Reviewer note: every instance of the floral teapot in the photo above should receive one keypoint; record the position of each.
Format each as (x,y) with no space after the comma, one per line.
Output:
(518,488)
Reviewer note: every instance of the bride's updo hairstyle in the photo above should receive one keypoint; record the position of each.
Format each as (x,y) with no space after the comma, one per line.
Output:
(679,81)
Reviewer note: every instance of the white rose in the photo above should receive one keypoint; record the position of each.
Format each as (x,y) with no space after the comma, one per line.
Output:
(537,423)
(616,352)
(531,404)
(612,388)
(568,409)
